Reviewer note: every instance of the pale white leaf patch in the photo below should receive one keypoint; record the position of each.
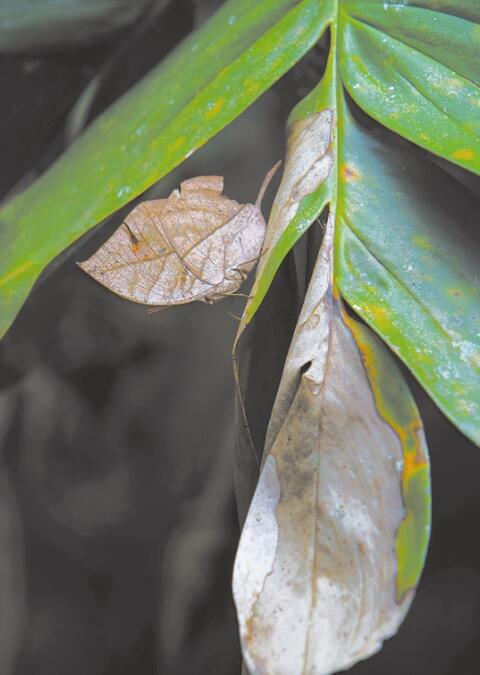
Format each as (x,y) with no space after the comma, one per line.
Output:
(317,592)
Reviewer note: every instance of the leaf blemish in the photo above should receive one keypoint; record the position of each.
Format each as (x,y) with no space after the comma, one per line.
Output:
(16,273)
(464,153)
(214,107)
(349,172)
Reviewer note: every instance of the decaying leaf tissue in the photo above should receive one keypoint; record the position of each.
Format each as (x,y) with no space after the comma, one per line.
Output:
(330,551)
(315,575)
(134,460)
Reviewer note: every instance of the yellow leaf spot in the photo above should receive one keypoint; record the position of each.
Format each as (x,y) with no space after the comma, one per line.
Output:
(214,108)
(464,153)
(15,273)
(414,457)
(349,172)
(422,242)
(412,462)
(379,315)
(177,143)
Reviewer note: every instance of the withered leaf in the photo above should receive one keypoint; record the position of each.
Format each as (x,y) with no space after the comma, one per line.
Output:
(316,581)
(315,573)
(195,245)
(308,163)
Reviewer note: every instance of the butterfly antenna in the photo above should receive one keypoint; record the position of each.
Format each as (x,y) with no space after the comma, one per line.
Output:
(266,183)
(238,295)
(152,310)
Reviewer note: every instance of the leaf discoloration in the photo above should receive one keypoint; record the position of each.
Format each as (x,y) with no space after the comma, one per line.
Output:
(326,595)
(309,160)
(463,153)
(308,164)
(349,172)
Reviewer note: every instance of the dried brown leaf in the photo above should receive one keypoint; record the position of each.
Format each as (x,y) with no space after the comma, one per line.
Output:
(315,578)
(195,245)
(308,162)
(315,573)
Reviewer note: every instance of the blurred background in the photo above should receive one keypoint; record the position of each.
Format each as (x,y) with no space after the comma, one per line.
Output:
(118,522)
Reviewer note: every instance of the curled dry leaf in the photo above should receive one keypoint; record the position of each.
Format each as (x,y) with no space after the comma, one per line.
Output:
(331,549)
(315,578)
(195,245)
(308,162)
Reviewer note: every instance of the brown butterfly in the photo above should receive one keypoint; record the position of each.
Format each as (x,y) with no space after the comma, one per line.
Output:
(195,245)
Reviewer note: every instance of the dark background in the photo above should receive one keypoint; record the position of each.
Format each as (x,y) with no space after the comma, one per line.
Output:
(118,524)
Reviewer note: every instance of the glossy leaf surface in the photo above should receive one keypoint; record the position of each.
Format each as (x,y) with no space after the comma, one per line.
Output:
(414,67)
(209,80)
(408,261)
(407,254)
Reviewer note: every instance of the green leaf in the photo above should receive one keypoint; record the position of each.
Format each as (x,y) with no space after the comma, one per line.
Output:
(406,257)
(208,81)
(408,263)
(396,406)
(416,69)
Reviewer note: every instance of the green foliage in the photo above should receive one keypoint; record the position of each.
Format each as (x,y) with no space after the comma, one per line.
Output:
(207,82)
(403,250)
(407,258)
(404,255)
(416,70)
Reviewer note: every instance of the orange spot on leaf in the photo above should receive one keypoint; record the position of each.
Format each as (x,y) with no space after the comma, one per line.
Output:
(464,153)
(215,108)
(177,143)
(16,273)
(349,172)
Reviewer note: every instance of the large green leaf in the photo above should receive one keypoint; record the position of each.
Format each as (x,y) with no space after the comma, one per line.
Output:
(407,261)
(209,80)
(406,257)
(416,69)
